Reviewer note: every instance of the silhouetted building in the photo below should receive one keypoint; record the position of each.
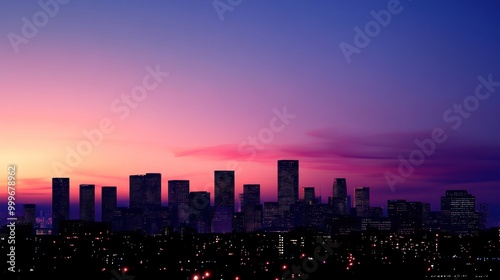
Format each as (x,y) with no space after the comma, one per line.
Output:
(238,222)
(223,201)
(108,203)
(362,201)
(426,216)
(397,212)
(416,215)
(72,228)
(433,222)
(87,203)
(484,212)
(376,212)
(155,220)
(309,195)
(406,217)
(251,207)
(144,221)
(318,215)
(343,225)
(288,184)
(60,202)
(145,198)
(271,215)
(145,191)
(200,211)
(251,195)
(30,214)
(224,188)
(222,221)
(178,202)
(298,213)
(339,200)
(376,223)
(128,219)
(339,187)
(242,203)
(458,212)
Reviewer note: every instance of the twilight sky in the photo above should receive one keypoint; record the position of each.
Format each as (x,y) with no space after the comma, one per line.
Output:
(184,88)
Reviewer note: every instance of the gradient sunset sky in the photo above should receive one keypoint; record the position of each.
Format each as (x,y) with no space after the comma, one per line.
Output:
(228,75)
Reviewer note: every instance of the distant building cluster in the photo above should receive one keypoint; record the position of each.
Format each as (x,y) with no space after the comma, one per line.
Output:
(193,211)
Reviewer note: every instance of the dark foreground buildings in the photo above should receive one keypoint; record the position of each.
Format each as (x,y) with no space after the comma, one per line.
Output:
(83,249)
(295,237)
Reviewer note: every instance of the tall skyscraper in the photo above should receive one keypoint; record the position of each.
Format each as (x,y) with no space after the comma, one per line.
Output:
(458,212)
(426,216)
(87,202)
(137,191)
(339,187)
(397,212)
(251,207)
(199,211)
(60,202)
(145,203)
(223,201)
(178,202)
(224,188)
(340,203)
(288,184)
(145,191)
(362,201)
(108,203)
(30,214)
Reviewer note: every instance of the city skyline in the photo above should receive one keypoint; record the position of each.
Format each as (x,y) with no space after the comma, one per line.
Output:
(265,81)
(214,136)
(162,199)
(426,239)
(179,194)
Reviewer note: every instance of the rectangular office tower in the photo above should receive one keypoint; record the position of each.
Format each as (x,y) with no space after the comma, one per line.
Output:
(251,207)
(178,202)
(362,201)
(251,195)
(145,191)
(288,184)
(406,217)
(30,214)
(339,187)
(270,216)
(340,200)
(199,211)
(87,203)
(60,202)
(223,201)
(108,203)
(458,212)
